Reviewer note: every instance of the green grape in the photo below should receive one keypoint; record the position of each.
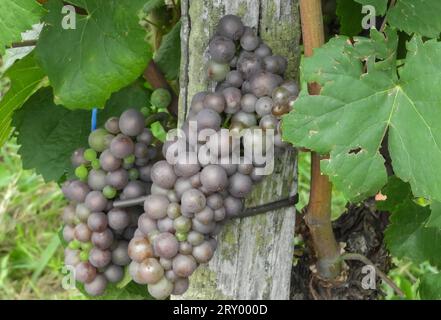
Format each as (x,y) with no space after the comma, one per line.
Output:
(95,164)
(97,139)
(81,172)
(90,154)
(145,111)
(181,236)
(133,174)
(109,192)
(161,98)
(129,159)
(74,244)
(84,256)
(86,246)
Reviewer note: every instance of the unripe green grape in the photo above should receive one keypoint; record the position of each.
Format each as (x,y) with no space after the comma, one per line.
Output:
(217,71)
(74,245)
(95,164)
(84,256)
(133,174)
(90,154)
(161,98)
(145,111)
(97,140)
(81,172)
(129,159)
(86,246)
(182,224)
(181,236)
(109,192)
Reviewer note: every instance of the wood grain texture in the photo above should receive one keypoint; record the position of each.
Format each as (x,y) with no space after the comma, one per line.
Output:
(254,255)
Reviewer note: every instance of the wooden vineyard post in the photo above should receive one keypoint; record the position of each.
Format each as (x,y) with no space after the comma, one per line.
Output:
(255,254)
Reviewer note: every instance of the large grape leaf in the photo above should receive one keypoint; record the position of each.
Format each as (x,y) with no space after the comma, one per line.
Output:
(25,77)
(106,52)
(417,16)
(48,134)
(350,16)
(168,56)
(379,5)
(17,16)
(430,287)
(408,236)
(357,108)
(434,220)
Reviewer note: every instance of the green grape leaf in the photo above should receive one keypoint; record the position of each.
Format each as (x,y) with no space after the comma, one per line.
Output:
(357,108)
(17,16)
(430,287)
(407,235)
(168,56)
(434,220)
(104,53)
(416,16)
(48,134)
(379,5)
(350,16)
(152,5)
(132,291)
(25,77)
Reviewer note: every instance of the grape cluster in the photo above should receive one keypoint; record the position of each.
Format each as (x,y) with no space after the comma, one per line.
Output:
(190,197)
(116,166)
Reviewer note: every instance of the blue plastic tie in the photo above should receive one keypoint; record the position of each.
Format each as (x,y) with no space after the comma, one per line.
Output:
(93,119)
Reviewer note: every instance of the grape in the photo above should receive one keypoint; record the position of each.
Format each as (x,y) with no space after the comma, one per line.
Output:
(219,214)
(215,201)
(186,163)
(263,51)
(98,139)
(173,210)
(112,125)
(166,245)
(118,219)
(280,96)
(161,289)
(221,49)
(117,179)
(166,263)
(232,98)
(74,244)
(81,172)
(268,122)
(203,252)
(140,249)
(217,71)
(102,240)
(150,271)
(197,102)
(255,177)
(249,64)
(171,275)
(230,26)
(247,119)
(76,191)
(77,158)
(109,192)
(234,78)
(249,41)
(69,214)
(182,224)
(184,265)
(180,286)
(114,273)
(166,225)
(121,146)
(109,162)
(134,189)
(144,173)
(95,201)
(95,164)
(203,228)
(233,206)
(97,179)
(195,180)
(192,201)
(120,254)
(99,258)
(263,83)
(195,238)
(181,186)
(292,88)
(82,232)
(134,272)
(97,286)
(264,106)
(155,206)
(205,216)
(145,136)
(146,224)
(97,222)
(208,118)
(240,185)
(163,174)
(245,166)
(214,178)
(161,98)
(248,102)
(85,272)
(185,247)
(71,257)
(68,233)
(226,163)
(155,189)
(141,150)
(131,122)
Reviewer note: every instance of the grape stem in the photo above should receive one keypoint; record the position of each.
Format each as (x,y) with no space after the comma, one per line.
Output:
(318,213)
(248,212)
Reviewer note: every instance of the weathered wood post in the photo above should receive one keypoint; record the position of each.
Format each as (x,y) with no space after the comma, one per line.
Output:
(254,255)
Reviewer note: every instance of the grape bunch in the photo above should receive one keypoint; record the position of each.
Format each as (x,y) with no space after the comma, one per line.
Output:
(193,195)
(116,166)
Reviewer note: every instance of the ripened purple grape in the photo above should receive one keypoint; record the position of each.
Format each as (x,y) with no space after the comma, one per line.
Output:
(146,224)
(102,240)
(71,257)
(247,119)
(185,247)
(197,102)
(208,119)
(96,179)
(171,275)
(114,273)
(187,163)
(161,289)
(228,165)
(68,233)
(131,122)
(249,64)
(263,51)
(268,122)
(249,40)
(77,158)
(220,214)
(141,150)
(85,272)
(182,185)
(214,101)
(245,166)
(220,86)
(203,228)
(240,185)
(195,238)
(248,103)
(233,206)
(195,180)
(234,78)
(256,177)
(184,265)
(193,201)
(76,190)
(163,174)
(120,255)
(167,264)
(145,136)
(97,286)
(97,222)
(140,249)
(166,225)
(280,96)
(82,232)
(264,106)
(150,271)
(134,189)
(180,286)
(215,201)
(166,245)
(221,49)
(68,216)
(263,84)
(230,26)
(214,178)
(134,272)
(117,179)
(109,162)
(118,219)
(203,252)
(112,125)
(155,206)
(232,98)
(82,212)
(95,201)
(99,258)
(292,87)
(205,216)
(144,173)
